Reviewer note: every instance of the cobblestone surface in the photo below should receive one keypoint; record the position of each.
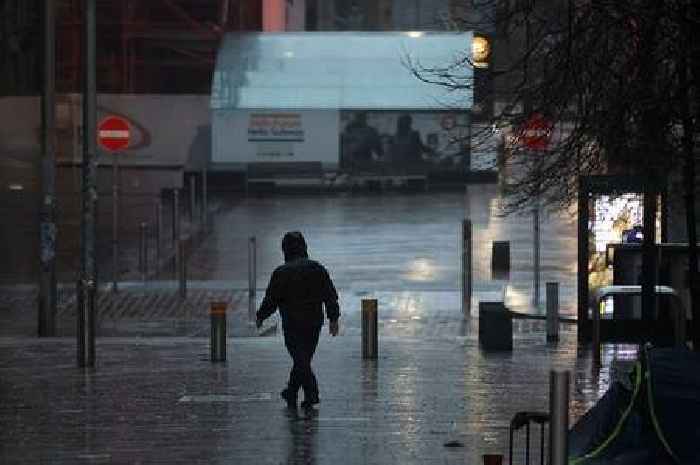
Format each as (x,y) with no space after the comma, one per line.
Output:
(157,310)
(160,400)
(138,311)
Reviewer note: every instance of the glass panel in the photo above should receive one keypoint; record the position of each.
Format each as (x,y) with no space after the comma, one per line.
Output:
(338,71)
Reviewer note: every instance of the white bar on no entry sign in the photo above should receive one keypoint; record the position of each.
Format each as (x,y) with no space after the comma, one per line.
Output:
(107,134)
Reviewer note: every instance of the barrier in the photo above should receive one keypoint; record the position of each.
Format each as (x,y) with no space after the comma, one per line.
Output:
(467,267)
(370,342)
(217,338)
(252,281)
(559,417)
(143,251)
(552,312)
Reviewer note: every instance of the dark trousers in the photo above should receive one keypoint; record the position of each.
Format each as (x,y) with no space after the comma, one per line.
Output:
(301,344)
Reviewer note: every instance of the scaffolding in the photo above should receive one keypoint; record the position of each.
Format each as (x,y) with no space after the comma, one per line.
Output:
(160,46)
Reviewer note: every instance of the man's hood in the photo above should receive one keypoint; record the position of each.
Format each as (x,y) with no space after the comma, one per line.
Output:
(294,246)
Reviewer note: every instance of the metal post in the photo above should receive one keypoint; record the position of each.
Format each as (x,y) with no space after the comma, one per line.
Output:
(176,229)
(193,198)
(536,254)
(205,200)
(176,217)
(542,443)
(466,267)
(252,274)
(115,222)
(552,312)
(370,343)
(182,269)
(680,324)
(649,261)
(217,339)
(158,232)
(527,443)
(143,251)
(595,334)
(88,264)
(47,234)
(559,417)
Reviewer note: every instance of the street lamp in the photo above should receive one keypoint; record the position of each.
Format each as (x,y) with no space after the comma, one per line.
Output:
(481,52)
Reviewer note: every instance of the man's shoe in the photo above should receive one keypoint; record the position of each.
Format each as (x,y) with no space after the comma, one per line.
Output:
(289,398)
(309,404)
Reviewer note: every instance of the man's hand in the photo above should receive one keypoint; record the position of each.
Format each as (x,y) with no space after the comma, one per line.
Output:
(333,328)
(258,322)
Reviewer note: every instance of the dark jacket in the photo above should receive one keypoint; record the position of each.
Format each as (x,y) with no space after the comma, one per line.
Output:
(298,288)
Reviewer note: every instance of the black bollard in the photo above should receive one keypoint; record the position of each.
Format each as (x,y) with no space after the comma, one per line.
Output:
(252,278)
(143,251)
(217,340)
(467,281)
(552,312)
(182,267)
(158,232)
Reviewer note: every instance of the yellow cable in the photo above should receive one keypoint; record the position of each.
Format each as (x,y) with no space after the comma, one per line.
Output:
(618,427)
(652,411)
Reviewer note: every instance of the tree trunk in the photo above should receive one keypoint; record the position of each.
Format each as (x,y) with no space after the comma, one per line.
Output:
(649,265)
(689,173)
(692,235)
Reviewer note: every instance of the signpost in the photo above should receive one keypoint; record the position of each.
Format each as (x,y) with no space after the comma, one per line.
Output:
(113,135)
(87,283)
(535,134)
(47,238)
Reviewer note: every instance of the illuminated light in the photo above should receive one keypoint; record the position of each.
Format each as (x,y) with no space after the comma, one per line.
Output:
(16,187)
(421,269)
(289,54)
(415,34)
(481,52)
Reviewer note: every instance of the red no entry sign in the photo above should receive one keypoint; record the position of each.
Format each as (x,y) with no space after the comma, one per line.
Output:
(536,132)
(113,133)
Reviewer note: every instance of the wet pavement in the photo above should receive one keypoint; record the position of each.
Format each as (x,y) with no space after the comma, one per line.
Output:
(403,249)
(159,400)
(408,244)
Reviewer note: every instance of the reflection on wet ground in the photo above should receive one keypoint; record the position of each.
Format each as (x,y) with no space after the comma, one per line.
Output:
(404,250)
(395,243)
(159,400)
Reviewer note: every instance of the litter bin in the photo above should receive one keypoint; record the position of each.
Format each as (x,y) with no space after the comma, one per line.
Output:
(495,326)
(500,259)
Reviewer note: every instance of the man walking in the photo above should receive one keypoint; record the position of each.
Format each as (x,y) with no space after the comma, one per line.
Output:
(298,288)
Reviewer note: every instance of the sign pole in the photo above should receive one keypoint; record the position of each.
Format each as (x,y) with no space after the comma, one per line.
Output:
(47,238)
(536,134)
(113,135)
(115,221)
(536,252)
(88,266)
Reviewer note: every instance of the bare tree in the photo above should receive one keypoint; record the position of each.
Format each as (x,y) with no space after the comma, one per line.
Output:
(614,84)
